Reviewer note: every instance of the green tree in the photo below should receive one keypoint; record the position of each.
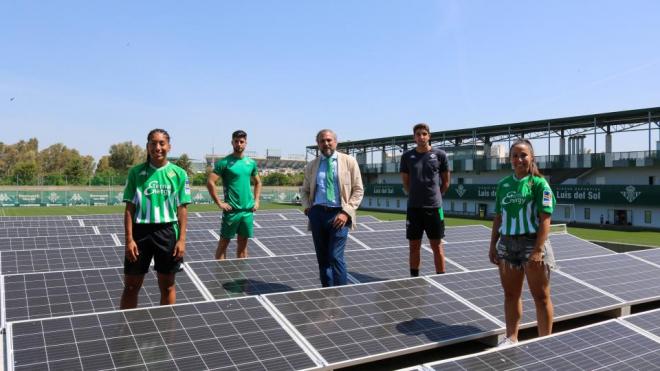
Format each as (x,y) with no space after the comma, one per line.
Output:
(275,179)
(184,162)
(25,172)
(124,155)
(79,170)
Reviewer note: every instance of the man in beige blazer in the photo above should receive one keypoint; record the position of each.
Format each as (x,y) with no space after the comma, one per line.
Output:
(331,193)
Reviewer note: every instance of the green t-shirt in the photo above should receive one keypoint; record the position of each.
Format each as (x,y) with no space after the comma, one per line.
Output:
(520,201)
(236,174)
(157,192)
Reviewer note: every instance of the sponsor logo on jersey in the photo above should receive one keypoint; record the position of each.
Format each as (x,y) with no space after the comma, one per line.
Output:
(432,155)
(513,197)
(547,197)
(187,188)
(155,188)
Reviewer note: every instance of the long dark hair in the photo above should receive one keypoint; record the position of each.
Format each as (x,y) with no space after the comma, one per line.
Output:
(533,167)
(151,133)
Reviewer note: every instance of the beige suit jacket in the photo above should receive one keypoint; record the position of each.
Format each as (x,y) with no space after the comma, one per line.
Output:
(350,185)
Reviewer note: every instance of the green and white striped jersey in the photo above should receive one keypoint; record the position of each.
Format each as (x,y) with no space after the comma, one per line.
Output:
(520,201)
(157,192)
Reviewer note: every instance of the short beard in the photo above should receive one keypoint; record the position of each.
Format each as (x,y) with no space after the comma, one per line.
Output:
(332,152)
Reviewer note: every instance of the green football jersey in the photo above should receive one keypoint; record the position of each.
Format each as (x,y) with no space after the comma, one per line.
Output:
(520,201)
(236,174)
(157,192)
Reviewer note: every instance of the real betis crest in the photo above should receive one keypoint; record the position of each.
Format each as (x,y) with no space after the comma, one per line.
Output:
(630,193)
(460,190)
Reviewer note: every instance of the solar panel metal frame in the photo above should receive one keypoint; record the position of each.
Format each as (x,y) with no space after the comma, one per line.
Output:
(149,290)
(282,328)
(651,256)
(647,322)
(564,310)
(497,328)
(529,351)
(580,271)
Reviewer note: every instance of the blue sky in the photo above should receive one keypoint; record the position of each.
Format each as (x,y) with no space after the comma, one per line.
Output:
(91,73)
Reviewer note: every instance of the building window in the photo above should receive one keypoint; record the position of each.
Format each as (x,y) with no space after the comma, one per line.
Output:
(464,207)
(647,216)
(369,201)
(378,202)
(387,202)
(587,213)
(398,203)
(451,206)
(567,212)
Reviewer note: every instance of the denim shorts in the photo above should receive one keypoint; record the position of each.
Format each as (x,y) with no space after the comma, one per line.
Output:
(515,251)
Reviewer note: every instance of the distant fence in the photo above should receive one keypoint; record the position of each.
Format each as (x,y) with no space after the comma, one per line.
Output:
(100,196)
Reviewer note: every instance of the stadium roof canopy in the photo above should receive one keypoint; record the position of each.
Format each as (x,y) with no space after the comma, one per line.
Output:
(600,123)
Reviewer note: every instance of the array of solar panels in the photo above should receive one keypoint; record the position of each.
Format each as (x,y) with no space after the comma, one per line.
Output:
(62,279)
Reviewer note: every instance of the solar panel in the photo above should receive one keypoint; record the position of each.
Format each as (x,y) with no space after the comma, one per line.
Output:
(228,334)
(382,239)
(53,294)
(200,235)
(607,346)
(205,250)
(275,232)
(619,274)
(277,223)
(469,255)
(298,245)
(391,263)
(98,216)
(297,217)
(467,233)
(45,231)
(647,321)
(367,219)
(34,218)
(57,242)
(358,323)
(239,277)
(396,225)
(258,213)
(567,246)
(570,298)
(650,255)
(38,224)
(30,261)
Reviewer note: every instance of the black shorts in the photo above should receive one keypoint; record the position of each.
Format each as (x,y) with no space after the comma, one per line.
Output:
(420,220)
(155,241)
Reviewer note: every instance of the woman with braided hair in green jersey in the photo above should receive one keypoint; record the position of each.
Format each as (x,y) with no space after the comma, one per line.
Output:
(156,195)
(519,243)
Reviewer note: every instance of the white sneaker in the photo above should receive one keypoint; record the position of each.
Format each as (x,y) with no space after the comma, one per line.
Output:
(506,342)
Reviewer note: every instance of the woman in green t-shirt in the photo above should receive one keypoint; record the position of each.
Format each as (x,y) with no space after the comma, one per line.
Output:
(519,243)
(156,195)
